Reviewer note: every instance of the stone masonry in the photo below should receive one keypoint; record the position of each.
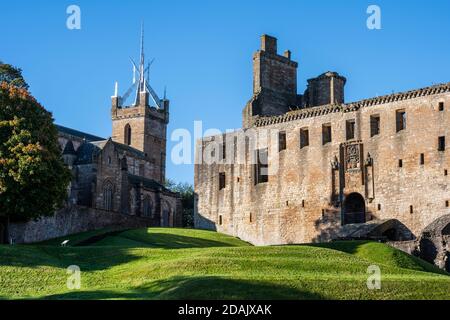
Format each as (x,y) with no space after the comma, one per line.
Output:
(330,164)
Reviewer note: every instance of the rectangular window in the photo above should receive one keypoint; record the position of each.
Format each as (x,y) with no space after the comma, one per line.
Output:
(304,138)
(262,166)
(379,207)
(445,172)
(281,141)
(400,117)
(326,133)
(441,144)
(220,220)
(350,129)
(446,203)
(422,159)
(224,151)
(411,209)
(400,163)
(441,106)
(221,180)
(374,125)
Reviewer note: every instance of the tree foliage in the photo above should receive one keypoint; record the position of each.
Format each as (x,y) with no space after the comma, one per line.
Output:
(12,75)
(186,191)
(33,177)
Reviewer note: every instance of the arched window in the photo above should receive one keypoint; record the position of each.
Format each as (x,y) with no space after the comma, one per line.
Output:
(108,196)
(147,207)
(127,134)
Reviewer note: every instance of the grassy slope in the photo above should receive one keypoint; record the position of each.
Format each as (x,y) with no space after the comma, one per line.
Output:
(142,264)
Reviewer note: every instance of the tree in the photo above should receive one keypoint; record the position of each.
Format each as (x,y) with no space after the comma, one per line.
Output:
(33,177)
(186,191)
(12,75)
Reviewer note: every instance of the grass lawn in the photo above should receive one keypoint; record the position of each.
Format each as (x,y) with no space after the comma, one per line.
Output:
(160,263)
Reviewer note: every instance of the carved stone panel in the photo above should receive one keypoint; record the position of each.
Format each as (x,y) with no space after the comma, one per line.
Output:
(352,157)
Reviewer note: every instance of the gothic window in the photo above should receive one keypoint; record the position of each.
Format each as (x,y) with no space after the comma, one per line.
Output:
(281,141)
(350,129)
(262,166)
(441,144)
(147,207)
(127,134)
(374,125)
(326,133)
(304,138)
(400,117)
(108,196)
(221,180)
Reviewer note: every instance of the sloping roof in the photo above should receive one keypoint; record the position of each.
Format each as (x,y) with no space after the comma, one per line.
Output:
(86,153)
(353,106)
(147,183)
(79,134)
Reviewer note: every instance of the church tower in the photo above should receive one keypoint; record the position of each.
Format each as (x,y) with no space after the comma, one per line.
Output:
(142,123)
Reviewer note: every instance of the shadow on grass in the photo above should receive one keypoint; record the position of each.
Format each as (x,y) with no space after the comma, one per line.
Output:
(87,258)
(202,288)
(173,241)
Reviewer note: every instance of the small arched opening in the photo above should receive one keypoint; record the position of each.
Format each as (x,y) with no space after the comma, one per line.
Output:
(354,209)
(147,210)
(127,134)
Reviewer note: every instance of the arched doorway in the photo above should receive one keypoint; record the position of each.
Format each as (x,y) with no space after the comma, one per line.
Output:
(354,209)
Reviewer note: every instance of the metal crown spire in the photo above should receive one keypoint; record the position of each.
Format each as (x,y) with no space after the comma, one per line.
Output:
(141,65)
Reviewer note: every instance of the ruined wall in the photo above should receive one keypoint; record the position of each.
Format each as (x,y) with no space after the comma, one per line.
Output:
(302,200)
(73,219)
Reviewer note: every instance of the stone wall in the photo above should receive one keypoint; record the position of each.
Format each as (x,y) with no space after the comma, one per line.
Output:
(70,220)
(400,174)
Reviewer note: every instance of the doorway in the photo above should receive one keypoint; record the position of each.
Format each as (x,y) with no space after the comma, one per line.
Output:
(354,209)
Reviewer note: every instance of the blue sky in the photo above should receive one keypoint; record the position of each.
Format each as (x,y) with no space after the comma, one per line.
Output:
(203,53)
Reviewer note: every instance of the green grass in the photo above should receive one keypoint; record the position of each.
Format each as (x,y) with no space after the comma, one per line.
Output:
(161,263)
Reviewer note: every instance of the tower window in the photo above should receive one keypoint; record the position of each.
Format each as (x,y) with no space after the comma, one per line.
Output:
(224,151)
(445,172)
(221,180)
(374,125)
(281,141)
(220,220)
(441,144)
(411,209)
(422,159)
(400,163)
(127,135)
(446,203)
(262,166)
(350,129)
(441,106)
(379,206)
(400,117)
(326,133)
(304,138)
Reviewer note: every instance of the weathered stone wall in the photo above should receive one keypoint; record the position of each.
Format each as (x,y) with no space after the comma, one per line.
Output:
(73,219)
(302,200)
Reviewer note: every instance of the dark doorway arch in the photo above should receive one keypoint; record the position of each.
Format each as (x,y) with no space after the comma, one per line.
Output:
(354,209)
